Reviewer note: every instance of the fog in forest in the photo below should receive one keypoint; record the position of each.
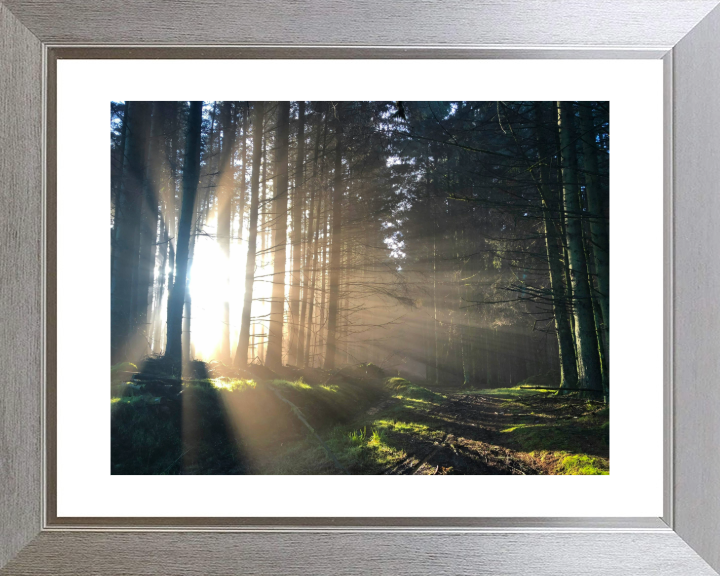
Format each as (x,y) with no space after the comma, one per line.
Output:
(381,256)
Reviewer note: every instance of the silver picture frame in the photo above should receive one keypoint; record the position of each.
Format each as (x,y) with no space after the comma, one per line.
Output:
(685,34)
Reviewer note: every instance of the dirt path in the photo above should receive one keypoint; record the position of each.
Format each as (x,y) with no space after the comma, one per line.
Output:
(471,424)
(417,431)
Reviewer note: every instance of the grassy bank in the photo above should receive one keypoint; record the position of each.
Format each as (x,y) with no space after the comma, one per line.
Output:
(353,421)
(225,425)
(376,440)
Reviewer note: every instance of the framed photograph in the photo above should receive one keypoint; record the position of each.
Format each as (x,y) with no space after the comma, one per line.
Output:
(352,245)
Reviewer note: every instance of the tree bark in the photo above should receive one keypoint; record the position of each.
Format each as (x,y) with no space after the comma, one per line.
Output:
(241,354)
(157,311)
(321,220)
(436,351)
(310,298)
(560,301)
(170,208)
(127,219)
(197,224)
(323,285)
(243,173)
(600,248)
(224,208)
(167,260)
(308,293)
(117,169)
(590,374)
(273,356)
(264,231)
(335,252)
(148,238)
(191,173)
(295,320)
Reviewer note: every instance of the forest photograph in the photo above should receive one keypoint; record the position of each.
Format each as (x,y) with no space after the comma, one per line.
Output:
(359,287)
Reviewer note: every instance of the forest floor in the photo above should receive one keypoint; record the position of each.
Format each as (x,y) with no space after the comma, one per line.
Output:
(216,420)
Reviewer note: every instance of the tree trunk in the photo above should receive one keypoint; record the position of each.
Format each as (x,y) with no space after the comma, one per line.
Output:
(597,314)
(197,224)
(167,261)
(241,354)
(170,207)
(191,173)
(309,299)
(127,220)
(243,173)
(310,260)
(590,374)
(343,309)
(148,238)
(295,321)
(224,208)
(317,188)
(323,288)
(116,189)
(600,248)
(560,301)
(335,253)
(273,356)
(157,311)
(436,351)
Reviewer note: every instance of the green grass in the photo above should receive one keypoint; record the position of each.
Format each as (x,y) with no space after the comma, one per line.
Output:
(581,464)
(565,436)
(233,384)
(414,429)
(505,393)
(371,444)
(123,367)
(357,437)
(118,372)
(368,450)
(359,450)
(296,385)
(217,425)
(562,434)
(140,439)
(381,441)
(229,426)
(576,445)
(563,443)
(549,379)
(571,434)
(116,401)
(404,389)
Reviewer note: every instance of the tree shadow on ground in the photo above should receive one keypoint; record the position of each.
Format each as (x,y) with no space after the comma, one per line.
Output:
(162,424)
